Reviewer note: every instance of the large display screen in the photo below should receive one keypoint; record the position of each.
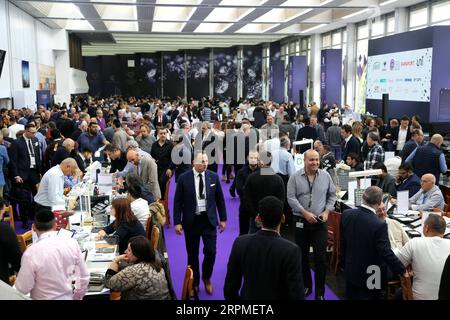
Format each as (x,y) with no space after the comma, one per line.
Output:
(405,75)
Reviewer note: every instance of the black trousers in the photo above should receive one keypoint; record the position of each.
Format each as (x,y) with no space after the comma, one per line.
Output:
(203,229)
(212,167)
(243,221)
(162,181)
(353,292)
(314,235)
(26,197)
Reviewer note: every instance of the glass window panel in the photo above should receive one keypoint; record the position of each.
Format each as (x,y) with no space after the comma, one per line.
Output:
(391,25)
(363,31)
(418,17)
(344,40)
(326,41)
(336,38)
(377,28)
(440,11)
(442,23)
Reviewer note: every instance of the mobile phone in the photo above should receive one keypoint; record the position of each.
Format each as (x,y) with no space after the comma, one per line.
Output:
(319,219)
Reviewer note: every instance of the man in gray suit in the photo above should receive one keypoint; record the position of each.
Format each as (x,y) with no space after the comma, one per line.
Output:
(146,168)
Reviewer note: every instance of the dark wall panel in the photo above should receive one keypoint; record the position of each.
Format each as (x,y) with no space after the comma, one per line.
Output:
(149,74)
(252,72)
(197,65)
(173,74)
(225,73)
(94,75)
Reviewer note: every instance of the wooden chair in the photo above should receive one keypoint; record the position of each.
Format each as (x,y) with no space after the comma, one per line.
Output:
(148,228)
(444,213)
(114,295)
(10,217)
(333,223)
(166,203)
(188,284)
(25,240)
(406,288)
(155,237)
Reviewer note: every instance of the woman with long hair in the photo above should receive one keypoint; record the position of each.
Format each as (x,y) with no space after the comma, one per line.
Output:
(143,278)
(125,226)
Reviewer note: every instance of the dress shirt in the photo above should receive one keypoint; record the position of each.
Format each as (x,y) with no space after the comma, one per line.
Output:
(50,266)
(31,151)
(201,203)
(376,154)
(51,189)
(13,129)
(286,166)
(427,256)
(426,200)
(347,140)
(141,210)
(323,194)
(402,133)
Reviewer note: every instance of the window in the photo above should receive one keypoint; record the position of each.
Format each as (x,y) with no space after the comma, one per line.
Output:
(336,39)
(440,13)
(377,28)
(326,41)
(390,25)
(418,18)
(363,31)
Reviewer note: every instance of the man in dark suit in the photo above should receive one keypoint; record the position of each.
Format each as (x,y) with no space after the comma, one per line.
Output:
(307,132)
(270,265)
(210,142)
(401,134)
(365,248)
(411,145)
(197,198)
(26,169)
(351,143)
(160,119)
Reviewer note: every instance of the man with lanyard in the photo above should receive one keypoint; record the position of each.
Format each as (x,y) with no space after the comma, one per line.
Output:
(311,194)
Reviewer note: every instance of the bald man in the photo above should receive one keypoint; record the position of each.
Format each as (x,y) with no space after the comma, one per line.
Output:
(429,158)
(311,194)
(50,195)
(64,152)
(146,168)
(429,196)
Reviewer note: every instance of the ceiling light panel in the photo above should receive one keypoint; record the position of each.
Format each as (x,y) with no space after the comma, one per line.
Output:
(122,26)
(212,27)
(175,12)
(60,10)
(167,27)
(81,25)
(116,12)
(256,28)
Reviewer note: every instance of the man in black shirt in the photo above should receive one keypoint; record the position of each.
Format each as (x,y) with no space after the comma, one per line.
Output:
(118,158)
(65,125)
(161,152)
(9,248)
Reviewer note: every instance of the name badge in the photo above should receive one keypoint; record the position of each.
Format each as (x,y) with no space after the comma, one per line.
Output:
(299,225)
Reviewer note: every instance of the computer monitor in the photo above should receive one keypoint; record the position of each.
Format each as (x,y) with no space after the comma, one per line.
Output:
(303,145)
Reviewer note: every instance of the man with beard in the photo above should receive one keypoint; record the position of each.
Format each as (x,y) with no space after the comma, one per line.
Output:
(145,139)
(241,179)
(92,139)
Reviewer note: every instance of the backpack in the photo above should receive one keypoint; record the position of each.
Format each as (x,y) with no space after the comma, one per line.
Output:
(158,213)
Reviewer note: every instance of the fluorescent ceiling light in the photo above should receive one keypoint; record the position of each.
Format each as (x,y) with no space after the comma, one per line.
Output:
(314,28)
(387,2)
(354,14)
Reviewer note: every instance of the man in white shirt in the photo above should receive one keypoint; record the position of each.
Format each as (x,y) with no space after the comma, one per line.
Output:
(14,127)
(53,268)
(427,255)
(50,195)
(139,206)
(402,135)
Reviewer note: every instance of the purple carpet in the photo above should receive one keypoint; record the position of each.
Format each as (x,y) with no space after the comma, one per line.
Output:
(178,258)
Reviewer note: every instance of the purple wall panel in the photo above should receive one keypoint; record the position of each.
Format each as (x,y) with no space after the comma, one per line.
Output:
(297,74)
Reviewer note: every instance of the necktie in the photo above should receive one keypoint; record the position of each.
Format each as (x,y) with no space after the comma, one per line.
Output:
(30,146)
(424,198)
(200,186)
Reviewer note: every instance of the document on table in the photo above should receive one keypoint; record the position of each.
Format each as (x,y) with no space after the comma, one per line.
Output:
(402,201)
(352,185)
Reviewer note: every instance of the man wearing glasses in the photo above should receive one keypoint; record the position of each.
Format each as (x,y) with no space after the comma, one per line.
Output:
(312,194)
(26,170)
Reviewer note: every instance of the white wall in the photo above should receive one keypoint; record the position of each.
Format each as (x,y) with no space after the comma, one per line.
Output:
(32,41)
(5,84)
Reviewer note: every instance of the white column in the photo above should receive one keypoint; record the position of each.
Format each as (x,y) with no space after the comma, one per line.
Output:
(314,68)
(401,20)
(349,96)
(62,70)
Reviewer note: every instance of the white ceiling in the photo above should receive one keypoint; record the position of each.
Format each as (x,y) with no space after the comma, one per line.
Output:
(166,25)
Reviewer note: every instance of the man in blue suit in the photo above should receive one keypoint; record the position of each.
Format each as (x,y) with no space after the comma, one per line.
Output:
(198,198)
(351,143)
(365,248)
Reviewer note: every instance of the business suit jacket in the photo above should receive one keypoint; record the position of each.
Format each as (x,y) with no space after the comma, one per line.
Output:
(149,175)
(20,158)
(185,202)
(157,123)
(270,265)
(412,184)
(365,242)
(352,146)
(395,132)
